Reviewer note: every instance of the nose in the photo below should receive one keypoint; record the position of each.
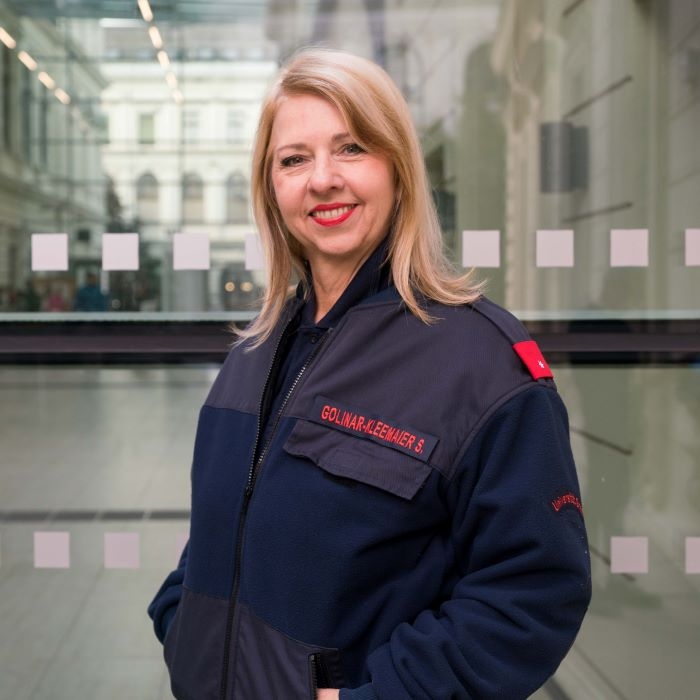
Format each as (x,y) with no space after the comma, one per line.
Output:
(324,175)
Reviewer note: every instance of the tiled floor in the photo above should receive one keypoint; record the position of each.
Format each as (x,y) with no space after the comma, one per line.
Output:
(82,632)
(109,442)
(89,451)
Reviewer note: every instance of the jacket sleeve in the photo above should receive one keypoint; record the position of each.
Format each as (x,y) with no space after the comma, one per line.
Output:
(163,606)
(523,581)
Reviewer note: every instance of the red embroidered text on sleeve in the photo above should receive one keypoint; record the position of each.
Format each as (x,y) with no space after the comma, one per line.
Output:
(568,499)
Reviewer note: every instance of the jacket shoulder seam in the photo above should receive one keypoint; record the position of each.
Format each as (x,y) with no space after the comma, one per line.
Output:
(488,414)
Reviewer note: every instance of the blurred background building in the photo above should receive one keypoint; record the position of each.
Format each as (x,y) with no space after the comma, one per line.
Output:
(180,136)
(561,141)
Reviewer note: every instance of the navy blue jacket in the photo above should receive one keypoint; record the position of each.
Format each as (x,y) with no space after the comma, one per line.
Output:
(406,524)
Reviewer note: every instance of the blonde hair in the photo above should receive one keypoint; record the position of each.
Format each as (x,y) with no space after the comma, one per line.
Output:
(379,120)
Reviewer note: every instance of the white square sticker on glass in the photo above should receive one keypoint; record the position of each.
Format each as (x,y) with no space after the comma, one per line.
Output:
(481,248)
(122,550)
(191,251)
(120,251)
(254,258)
(49,251)
(692,555)
(692,247)
(51,550)
(629,247)
(629,555)
(554,248)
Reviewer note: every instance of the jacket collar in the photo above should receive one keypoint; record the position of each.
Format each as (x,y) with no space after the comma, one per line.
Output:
(372,277)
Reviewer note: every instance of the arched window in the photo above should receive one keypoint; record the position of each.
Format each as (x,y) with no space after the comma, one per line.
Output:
(237,199)
(147,197)
(192,198)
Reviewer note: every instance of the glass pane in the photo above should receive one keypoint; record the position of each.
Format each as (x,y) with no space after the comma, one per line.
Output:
(66,469)
(638,456)
(559,136)
(92,512)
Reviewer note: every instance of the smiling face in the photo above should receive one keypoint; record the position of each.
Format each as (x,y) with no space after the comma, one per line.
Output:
(335,198)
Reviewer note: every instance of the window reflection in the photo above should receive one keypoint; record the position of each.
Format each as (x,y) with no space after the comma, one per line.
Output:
(147,197)
(192,198)
(191,126)
(533,116)
(147,128)
(237,199)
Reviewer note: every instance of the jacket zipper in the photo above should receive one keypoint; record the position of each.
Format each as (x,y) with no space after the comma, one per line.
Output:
(320,677)
(314,676)
(244,510)
(256,463)
(253,473)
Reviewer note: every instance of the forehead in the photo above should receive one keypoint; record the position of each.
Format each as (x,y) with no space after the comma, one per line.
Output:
(300,118)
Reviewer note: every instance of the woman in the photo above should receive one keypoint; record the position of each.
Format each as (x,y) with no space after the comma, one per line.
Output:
(384,501)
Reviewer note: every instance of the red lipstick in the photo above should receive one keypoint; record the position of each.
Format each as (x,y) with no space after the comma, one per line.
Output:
(332,214)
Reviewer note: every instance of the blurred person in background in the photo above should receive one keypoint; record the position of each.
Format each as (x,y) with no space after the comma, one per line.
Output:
(89,296)
(55,301)
(28,299)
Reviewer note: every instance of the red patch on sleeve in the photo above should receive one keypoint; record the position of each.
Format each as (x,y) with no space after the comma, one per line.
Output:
(529,352)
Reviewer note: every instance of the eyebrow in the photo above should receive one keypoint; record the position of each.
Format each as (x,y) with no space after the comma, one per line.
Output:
(300,146)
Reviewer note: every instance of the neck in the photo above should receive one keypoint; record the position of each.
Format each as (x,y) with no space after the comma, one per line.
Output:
(330,281)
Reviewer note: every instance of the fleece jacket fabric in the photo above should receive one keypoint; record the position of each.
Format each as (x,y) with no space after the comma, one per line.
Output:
(379,505)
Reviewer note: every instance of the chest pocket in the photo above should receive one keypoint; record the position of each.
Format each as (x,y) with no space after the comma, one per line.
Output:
(350,457)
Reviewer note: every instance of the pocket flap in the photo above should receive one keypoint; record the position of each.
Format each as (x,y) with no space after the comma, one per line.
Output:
(351,457)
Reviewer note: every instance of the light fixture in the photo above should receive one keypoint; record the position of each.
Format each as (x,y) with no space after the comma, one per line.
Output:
(7,39)
(163,59)
(156,38)
(27,60)
(47,80)
(146,12)
(62,96)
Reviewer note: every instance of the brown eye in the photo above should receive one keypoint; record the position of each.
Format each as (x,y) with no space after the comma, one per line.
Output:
(353,149)
(291,161)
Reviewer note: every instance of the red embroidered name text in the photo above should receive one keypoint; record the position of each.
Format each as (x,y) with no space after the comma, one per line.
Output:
(568,499)
(370,426)
(358,423)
